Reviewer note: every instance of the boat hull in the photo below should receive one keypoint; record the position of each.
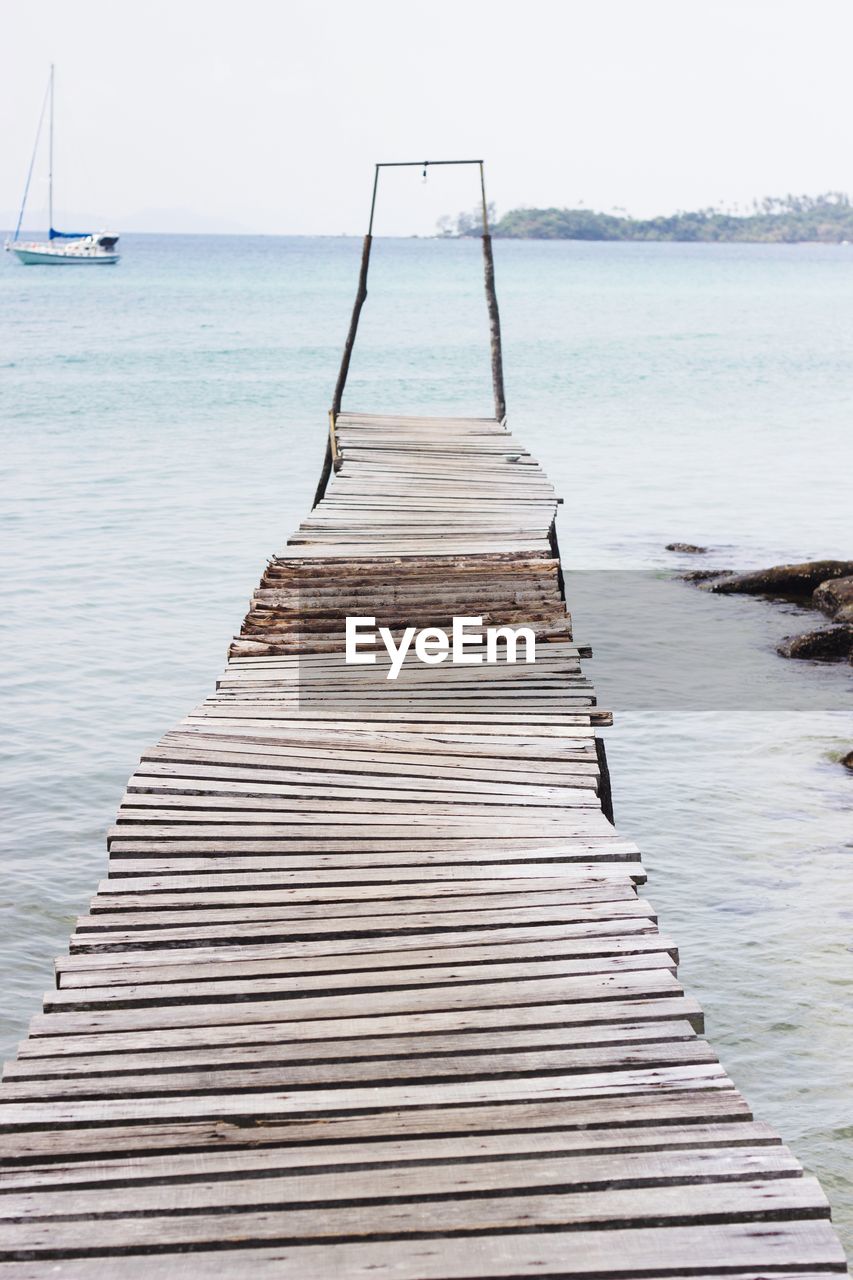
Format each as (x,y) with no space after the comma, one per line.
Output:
(62,258)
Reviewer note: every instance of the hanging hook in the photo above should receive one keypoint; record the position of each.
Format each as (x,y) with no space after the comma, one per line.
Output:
(424,174)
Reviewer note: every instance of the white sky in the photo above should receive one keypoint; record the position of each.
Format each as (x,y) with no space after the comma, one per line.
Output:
(267,117)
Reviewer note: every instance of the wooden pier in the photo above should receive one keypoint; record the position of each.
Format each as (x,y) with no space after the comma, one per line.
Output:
(371,990)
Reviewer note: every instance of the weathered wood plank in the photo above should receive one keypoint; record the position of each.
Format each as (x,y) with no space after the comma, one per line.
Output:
(283,1158)
(801,1250)
(266,1219)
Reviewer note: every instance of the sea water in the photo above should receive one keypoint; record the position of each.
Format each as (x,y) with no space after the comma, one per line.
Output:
(163,426)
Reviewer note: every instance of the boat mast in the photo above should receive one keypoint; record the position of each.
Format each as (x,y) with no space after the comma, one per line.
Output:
(50,164)
(32,161)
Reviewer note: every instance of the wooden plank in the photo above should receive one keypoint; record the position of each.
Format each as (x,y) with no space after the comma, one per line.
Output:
(266,1209)
(246,1107)
(376,1071)
(284,1158)
(659,1208)
(802,1249)
(412,1045)
(78,971)
(631,1113)
(505,995)
(106,933)
(58,1038)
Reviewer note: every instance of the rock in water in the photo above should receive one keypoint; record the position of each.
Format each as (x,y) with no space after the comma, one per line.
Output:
(847,760)
(827,643)
(790,581)
(835,597)
(687,547)
(703,575)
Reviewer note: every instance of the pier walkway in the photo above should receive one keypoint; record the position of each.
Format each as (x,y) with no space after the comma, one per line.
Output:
(372,991)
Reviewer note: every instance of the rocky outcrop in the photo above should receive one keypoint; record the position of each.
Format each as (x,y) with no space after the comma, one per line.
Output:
(835,597)
(824,584)
(785,581)
(828,644)
(688,548)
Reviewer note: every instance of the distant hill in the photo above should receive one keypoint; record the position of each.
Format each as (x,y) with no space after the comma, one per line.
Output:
(826,219)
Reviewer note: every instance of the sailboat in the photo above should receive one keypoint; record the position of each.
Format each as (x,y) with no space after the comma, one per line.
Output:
(62,247)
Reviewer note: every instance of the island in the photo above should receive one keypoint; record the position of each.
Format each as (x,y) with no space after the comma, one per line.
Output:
(824,219)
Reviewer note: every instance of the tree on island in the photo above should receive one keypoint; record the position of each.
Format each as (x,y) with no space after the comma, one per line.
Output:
(826,219)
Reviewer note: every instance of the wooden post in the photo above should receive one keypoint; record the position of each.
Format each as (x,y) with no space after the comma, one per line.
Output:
(331,461)
(325,472)
(494,329)
(492,305)
(361,294)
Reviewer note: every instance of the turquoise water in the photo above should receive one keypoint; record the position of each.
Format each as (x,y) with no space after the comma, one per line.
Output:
(163,427)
